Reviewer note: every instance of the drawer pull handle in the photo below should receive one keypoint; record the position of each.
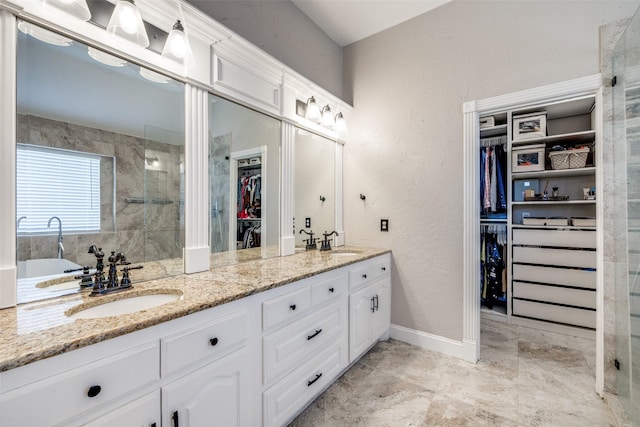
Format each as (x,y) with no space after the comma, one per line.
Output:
(376,303)
(94,390)
(174,417)
(213,341)
(310,337)
(314,380)
(292,307)
(384,268)
(373,304)
(153,425)
(331,290)
(364,276)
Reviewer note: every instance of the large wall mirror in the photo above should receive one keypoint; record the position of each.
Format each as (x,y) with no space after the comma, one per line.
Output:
(100,149)
(315,198)
(244,173)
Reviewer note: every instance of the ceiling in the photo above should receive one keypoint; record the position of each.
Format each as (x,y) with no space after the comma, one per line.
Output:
(347,21)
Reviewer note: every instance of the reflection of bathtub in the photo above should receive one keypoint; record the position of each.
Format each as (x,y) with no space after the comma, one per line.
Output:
(44,267)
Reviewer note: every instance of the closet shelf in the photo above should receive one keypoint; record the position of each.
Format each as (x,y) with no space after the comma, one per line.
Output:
(493,220)
(586,136)
(552,202)
(555,173)
(493,131)
(553,227)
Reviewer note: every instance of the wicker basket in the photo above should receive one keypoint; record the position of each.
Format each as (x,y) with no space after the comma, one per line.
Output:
(569,159)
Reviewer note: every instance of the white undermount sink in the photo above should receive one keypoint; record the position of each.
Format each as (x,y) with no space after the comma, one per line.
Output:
(344,253)
(124,305)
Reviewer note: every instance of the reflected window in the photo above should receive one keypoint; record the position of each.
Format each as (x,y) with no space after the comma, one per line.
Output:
(53,182)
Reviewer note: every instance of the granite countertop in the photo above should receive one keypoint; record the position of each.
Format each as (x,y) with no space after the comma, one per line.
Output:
(37,330)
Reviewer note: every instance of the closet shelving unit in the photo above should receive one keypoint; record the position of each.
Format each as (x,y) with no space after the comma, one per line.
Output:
(245,224)
(551,270)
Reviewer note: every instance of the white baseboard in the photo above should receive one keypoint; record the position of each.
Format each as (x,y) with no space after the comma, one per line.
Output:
(460,349)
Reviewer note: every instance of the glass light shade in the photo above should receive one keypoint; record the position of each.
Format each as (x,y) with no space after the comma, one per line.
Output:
(77,8)
(177,45)
(153,76)
(106,58)
(126,23)
(341,124)
(327,117)
(43,35)
(313,111)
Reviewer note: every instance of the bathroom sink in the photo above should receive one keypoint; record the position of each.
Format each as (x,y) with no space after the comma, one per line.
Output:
(344,253)
(44,267)
(123,305)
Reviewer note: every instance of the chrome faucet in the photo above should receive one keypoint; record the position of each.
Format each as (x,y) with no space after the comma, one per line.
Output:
(60,247)
(19,220)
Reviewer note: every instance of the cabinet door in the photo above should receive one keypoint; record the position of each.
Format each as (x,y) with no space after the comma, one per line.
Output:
(361,308)
(142,412)
(382,304)
(212,396)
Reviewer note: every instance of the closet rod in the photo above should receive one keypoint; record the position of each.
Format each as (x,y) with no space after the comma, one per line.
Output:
(493,141)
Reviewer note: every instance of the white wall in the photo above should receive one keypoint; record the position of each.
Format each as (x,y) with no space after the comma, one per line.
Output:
(279,28)
(404,150)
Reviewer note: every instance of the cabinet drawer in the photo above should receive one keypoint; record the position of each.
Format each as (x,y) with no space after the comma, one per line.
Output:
(561,257)
(294,391)
(371,271)
(144,411)
(286,307)
(555,313)
(556,276)
(328,289)
(65,395)
(544,293)
(213,339)
(558,238)
(286,348)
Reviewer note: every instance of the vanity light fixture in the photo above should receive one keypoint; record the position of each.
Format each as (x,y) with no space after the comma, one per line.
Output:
(327,117)
(313,111)
(43,35)
(177,45)
(341,124)
(126,23)
(153,76)
(77,8)
(105,58)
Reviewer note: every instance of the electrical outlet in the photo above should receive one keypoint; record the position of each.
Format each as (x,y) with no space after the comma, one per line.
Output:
(384,225)
(526,214)
(307,222)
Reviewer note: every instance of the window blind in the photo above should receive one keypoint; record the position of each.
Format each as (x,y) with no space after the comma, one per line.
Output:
(56,182)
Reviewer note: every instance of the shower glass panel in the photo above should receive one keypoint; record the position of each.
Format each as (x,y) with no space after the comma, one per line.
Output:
(626,134)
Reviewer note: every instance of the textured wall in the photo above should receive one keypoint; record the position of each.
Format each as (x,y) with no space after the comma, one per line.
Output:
(283,31)
(405,135)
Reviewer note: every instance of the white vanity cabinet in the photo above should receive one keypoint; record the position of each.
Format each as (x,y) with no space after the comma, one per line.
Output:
(142,412)
(369,304)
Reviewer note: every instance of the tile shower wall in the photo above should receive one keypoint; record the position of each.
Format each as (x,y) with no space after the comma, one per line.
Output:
(220,149)
(145,232)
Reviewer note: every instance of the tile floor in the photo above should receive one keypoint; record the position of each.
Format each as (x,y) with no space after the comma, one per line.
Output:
(525,377)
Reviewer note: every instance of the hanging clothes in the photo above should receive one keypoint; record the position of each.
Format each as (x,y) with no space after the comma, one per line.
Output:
(492,264)
(493,196)
(249,196)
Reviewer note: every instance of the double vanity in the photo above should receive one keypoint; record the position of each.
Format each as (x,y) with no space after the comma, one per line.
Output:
(248,344)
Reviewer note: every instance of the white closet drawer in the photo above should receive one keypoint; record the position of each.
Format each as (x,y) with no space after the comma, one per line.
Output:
(286,348)
(328,289)
(294,391)
(553,275)
(55,399)
(559,238)
(555,313)
(544,293)
(371,271)
(214,339)
(561,257)
(285,307)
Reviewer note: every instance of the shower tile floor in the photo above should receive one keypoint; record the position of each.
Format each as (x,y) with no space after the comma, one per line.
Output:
(525,377)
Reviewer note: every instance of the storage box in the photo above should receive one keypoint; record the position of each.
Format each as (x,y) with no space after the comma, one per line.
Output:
(569,159)
(532,220)
(243,162)
(583,221)
(487,122)
(530,126)
(528,158)
(520,185)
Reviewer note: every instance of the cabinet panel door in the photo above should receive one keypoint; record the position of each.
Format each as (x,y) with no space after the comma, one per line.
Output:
(212,396)
(382,304)
(142,412)
(360,318)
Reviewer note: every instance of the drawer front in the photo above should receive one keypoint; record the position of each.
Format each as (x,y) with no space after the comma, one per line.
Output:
(561,257)
(65,395)
(369,272)
(328,290)
(144,411)
(293,392)
(556,276)
(286,348)
(558,238)
(286,307)
(555,313)
(215,338)
(569,296)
